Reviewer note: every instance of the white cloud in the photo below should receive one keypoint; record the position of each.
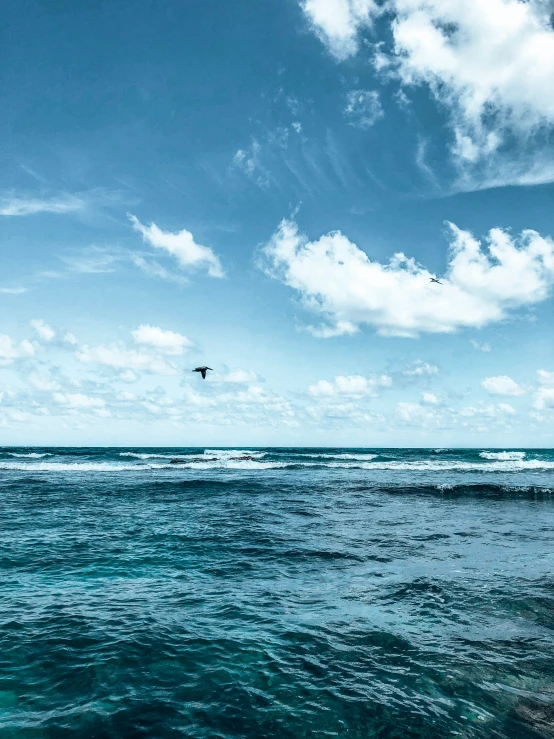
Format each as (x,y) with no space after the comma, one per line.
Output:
(9,351)
(429,399)
(126,396)
(22,206)
(352,385)
(502,385)
(70,339)
(336,278)
(544,396)
(93,260)
(488,411)
(119,357)
(128,376)
(546,378)
(337,22)
(248,160)
(166,342)
(13,290)
(490,63)
(45,332)
(411,412)
(153,269)
(42,382)
(180,245)
(419,368)
(239,376)
(484,347)
(78,401)
(340,328)
(363,108)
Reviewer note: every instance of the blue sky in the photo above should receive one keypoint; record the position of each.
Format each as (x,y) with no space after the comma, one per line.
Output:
(267,188)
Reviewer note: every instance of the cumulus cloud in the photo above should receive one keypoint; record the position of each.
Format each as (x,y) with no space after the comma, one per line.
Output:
(42,382)
(488,64)
(239,376)
(44,331)
(337,22)
(363,108)
(488,411)
(180,245)
(419,368)
(121,358)
(481,285)
(502,385)
(10,351)
(166,342)
(12,205)
(482,347)
(78,401)
(544,396)
(353,385)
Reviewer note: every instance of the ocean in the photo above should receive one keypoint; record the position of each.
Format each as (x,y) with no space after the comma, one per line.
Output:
(276,593)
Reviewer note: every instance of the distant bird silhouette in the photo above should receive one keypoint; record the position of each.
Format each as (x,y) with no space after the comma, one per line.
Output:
(203,371)
(432,279)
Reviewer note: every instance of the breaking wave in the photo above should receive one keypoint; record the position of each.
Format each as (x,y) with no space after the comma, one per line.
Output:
(504,456)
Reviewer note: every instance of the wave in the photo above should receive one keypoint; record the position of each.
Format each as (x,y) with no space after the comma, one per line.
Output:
(137,455)
(226,453)
(440,466)
(260,464)
(504,456)
(73,467)
(342,455)
(28,455)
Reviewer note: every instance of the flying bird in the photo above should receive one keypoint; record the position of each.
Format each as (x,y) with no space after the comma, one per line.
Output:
(432,279)
(203,371)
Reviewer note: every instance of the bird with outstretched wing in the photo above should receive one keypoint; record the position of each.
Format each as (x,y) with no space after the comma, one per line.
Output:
(203,371)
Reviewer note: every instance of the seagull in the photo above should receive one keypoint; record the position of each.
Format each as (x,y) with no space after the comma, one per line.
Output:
(203,370)
(432,279)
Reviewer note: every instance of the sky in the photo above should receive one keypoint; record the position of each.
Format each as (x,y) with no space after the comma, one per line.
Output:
(267,188)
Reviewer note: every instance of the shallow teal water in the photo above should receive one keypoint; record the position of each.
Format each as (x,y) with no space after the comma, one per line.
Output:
(299,593)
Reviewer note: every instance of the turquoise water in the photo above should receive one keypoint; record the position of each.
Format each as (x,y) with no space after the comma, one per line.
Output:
(296,593)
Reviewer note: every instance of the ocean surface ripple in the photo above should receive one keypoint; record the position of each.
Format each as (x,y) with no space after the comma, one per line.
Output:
(276,593)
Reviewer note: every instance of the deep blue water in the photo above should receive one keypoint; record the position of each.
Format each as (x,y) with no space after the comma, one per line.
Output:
(304,593)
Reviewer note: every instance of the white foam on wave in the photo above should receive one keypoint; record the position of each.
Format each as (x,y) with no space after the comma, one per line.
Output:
(429,466)
(74,466)
(343,455)
(504,456)
(228,464)
(227,453)
(29,455)
(436,465)
(137,455)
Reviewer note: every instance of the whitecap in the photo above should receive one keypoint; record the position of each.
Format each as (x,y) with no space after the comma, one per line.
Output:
(137,455)
(503,456)
(29,455)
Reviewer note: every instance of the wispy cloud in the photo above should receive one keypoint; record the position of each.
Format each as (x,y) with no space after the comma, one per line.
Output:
(12,205)
(92,260)
(13,290)
(363,108)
